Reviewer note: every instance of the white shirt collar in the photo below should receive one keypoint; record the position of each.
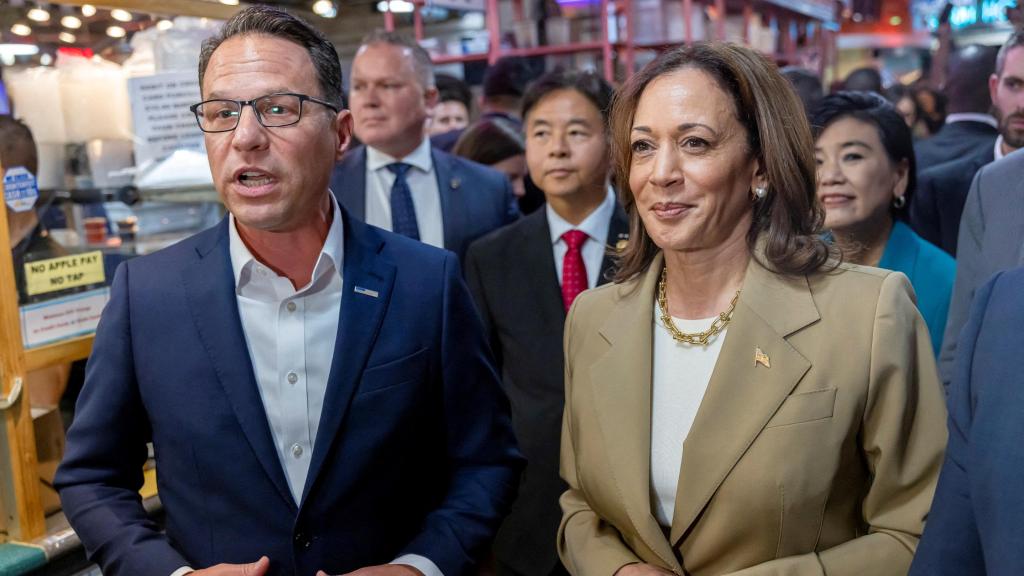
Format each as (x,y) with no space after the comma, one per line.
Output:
(999,148)
(972,117)
(419,158)
(331,255)
(592,225)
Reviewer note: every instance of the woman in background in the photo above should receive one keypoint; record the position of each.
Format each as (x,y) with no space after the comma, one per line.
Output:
(866,177)
(497,143)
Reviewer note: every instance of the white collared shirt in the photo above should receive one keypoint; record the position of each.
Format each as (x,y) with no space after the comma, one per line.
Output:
(291,336)
(422,180)
(595,226)
(998,155)
(972,117)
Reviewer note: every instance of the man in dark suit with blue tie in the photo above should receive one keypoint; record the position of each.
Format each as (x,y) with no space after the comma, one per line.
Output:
(318,392)
(974,527)
(397,181)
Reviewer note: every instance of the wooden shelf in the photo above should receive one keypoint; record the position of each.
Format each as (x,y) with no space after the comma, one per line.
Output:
(66,351)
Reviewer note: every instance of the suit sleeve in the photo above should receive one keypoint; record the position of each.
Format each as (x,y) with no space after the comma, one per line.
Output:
(510,204)
(968,275)
(902,437)
(952,515)
(483,460)
(924,217)
(474,278)
(587,545)
(100,477)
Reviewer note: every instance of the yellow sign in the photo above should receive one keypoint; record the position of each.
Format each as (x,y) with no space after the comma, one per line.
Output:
(55,274)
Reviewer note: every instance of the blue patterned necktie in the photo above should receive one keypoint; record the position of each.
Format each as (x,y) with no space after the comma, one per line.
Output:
(403,213)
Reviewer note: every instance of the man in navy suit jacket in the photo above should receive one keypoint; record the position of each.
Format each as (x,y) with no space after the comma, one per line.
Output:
(397,181)
(317,391)
(975,527)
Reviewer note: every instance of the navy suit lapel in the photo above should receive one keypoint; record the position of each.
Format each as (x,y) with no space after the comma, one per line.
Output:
(453,212)
(210,289)
(368,280)
(348,182)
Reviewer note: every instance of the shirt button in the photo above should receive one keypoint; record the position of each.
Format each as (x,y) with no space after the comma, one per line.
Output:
(293,377)
(291,306)
(297,450)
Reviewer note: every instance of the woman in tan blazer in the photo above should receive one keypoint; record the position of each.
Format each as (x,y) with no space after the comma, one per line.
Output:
(738,402)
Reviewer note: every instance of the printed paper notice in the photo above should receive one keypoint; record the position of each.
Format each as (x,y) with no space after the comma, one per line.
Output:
(163,123)
(53,274)
(62,318)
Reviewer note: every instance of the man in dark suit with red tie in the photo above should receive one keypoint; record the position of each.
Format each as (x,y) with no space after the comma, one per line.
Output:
(525,276)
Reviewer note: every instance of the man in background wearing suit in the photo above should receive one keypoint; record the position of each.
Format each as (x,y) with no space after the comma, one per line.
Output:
(969,126)
(397,181)
(525,276)
(937,205)
(991,239)
(974,525)
(307,416)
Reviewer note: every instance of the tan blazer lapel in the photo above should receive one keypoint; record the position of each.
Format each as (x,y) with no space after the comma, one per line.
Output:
(743,393)
(621,381)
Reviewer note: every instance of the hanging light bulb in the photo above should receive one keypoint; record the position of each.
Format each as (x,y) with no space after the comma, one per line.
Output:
(38,14)
(121,15)
(46,59)
(21,29)
(66,37)
(164,25)
(229,2)
(325,8)
(88,10)
(73,22)
(116,32)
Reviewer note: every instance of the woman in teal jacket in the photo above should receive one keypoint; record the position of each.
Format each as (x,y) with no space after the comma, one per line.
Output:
(866,176)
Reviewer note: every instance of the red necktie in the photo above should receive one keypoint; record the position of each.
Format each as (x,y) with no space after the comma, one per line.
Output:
(574,272)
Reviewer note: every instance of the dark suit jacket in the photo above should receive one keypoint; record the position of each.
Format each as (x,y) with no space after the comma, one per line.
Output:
(513,278)
(991,239)
(415,452)
(954,141)
(974,527)
(474,198)
(936,206)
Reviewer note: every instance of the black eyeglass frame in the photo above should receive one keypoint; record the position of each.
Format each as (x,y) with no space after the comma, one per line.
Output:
(303,98)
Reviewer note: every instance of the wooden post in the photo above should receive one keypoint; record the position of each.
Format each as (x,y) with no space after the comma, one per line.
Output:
(19,476)
(688,22)
(606,49)
(417,20)
(748,19)
(493,31)
(720,21)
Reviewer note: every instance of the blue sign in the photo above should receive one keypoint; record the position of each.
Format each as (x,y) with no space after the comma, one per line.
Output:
(20,190)
(966,14)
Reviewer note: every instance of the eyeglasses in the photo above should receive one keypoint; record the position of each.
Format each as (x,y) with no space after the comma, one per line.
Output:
(272,111)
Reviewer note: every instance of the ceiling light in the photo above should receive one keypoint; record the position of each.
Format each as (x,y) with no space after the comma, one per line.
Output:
(325,8)
(396,6)
(38,15)
(66,37)
(116,32)
(21,30)
(13,50)
(88,10)
(229,2)
(164,25)
(72,22)
(895,21)
(122,15)
(858,17)
(46,59)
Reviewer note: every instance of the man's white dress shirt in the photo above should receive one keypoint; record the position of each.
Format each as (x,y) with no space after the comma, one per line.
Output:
(290,335)
(422,180)
(595,226)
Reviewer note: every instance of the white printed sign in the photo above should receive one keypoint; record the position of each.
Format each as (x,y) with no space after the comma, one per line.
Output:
(160,114)
(20,190)
(62,318)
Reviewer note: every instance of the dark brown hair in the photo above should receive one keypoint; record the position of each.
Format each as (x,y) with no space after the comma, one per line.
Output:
(17,146)
(490,141)
(778,135)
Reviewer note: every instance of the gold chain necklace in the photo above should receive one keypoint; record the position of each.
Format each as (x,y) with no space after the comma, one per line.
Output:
(700,338)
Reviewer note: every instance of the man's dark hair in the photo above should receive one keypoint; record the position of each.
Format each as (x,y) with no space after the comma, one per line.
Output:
(451,88)
(966,88)
(806,84)
(270,21)
(865,79)
(490,141)
(1015,40)
(507,77)
(892,130)
(589,84)
(17,146)
(421,61)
